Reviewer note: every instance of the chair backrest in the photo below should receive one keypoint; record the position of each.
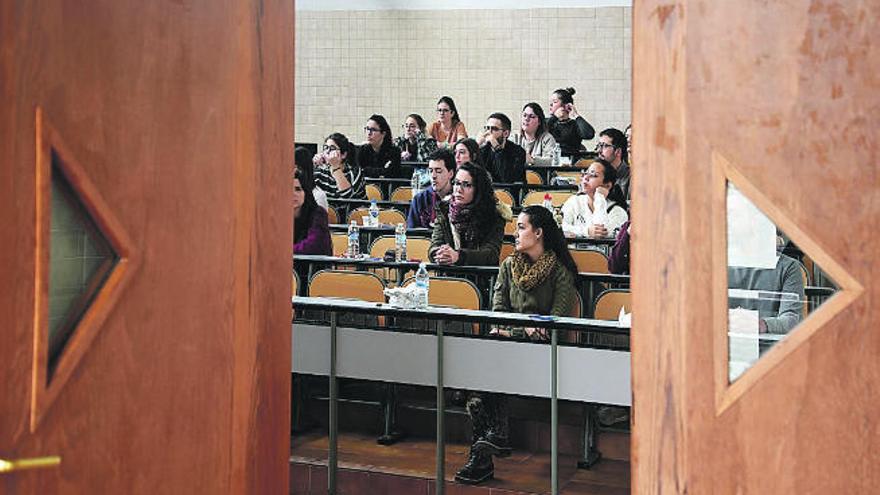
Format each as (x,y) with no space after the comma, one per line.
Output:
(332,215)
(533,177)
(504,197)
(352,285)
(589,261)
(507,248)
(417,248)
(453,292)
(510,226)
(609,302)
(388,216)
(339,241)
(584,162)
(402,193)
(373,192)
(537,197)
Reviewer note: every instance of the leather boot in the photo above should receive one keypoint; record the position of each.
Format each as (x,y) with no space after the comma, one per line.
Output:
(477,469)
(497,439)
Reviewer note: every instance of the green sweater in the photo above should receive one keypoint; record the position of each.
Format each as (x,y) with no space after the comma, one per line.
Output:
(554,296)
(485,250)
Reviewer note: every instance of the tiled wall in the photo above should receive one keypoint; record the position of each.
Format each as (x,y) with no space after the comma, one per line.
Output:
(351,64)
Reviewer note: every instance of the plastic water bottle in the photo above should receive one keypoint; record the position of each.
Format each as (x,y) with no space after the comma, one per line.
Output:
(400,243)
(416,182)
(423,282)
(548,202)
(354,240)
(374,214)
(557,155)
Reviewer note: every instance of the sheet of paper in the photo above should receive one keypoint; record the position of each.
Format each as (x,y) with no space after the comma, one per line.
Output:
(751,236)
(743,340)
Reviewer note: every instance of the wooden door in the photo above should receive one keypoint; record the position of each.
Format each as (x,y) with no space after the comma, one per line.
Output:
(171,123)
(783,97)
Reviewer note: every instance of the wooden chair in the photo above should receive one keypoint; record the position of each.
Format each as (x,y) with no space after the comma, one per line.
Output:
(348,285)
(537,197)
(402,193)
(388,216)
(589,260)
(584,163)
(373,192)
(332,215)
(533,177)
(510,226)
(504,197)
(339,241)
(454,293)
(507,248)
(609,302)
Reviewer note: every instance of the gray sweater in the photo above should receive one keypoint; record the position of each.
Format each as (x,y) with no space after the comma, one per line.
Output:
(781,314)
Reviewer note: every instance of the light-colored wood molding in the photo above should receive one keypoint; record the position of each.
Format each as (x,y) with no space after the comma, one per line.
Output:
(45,392)
(850,289)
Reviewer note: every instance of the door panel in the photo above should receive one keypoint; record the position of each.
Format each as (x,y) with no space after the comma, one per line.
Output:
(178,116)
(785,95)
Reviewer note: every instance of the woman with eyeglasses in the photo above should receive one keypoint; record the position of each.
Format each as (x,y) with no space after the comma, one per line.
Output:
(311,233)
(469,227)
(534,137)
(335,172)
(448,128)
(415,145)
(579,216)
(565,123)
(538,278)
(378,156)
(467,150)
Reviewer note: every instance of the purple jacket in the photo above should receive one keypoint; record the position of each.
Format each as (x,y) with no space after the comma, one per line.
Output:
(618,262)
(317,239)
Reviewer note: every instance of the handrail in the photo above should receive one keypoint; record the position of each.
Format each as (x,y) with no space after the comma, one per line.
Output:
(554,324)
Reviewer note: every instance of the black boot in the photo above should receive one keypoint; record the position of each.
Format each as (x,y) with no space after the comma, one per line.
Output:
(477,469)
(497,438)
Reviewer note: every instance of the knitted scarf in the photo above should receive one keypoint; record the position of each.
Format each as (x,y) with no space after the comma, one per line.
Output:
(463,219)
(528,275)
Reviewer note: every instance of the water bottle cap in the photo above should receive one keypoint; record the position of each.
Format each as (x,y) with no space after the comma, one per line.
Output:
(548,196)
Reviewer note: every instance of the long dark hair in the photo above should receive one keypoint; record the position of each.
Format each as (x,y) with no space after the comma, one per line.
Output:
(303,158)
(553,238)
(384,127)
(456,118)
(345,146)
(472,147)
(542,127)
(484,204)
(302,223)
(609,174)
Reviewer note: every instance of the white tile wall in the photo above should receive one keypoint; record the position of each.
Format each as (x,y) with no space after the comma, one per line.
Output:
(351,64)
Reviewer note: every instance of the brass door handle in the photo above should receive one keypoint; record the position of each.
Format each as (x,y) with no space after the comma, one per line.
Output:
(7,466)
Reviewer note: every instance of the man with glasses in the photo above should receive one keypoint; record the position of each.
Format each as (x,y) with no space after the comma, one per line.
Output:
(422,211)
(612,148)
(504,160)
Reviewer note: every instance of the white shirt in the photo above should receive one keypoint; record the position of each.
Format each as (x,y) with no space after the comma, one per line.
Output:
(577,216)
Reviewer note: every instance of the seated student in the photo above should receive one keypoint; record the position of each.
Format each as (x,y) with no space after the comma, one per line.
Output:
(467,150)
(423,208)
(303,161)
(311,234)
(578,212)
(533,136)
(618,260)
(415,145)
(503,159)
(612,147)
(335,174)
(468,228)
(565,124)
(537,279)
(448,128)
(776,315)
(378,157)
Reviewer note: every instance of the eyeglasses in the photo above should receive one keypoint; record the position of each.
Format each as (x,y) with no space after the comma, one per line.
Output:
(462,184)
(600,146)
(443,110)
(370,130)
(492,128)
(328,149)
(592,175)
(529,116)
